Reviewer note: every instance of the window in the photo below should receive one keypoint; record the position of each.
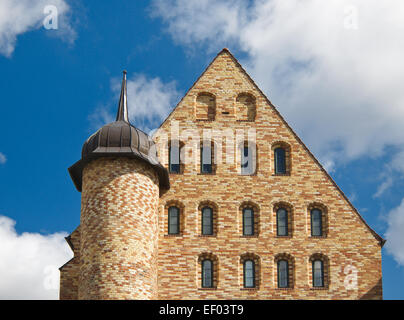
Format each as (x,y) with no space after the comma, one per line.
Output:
(283,274)
(247,160)
(248,221)
(207,221)
(207,274)
(173,220)
(249,274)
(206,158)
(174,157)
(318,273)
(282,222)
(316,222)
(280,161)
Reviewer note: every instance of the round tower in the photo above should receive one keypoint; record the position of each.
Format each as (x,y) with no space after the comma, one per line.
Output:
(120,179)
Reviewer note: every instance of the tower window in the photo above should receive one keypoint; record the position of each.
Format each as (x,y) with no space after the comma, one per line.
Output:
(282,222)
(207,273)
(249,274)
(280,161)
(318,273)
(283,274)
(174,157)
(316,222)
(248,221)
(207,221)
(247,161)
(173,220)
(206,158)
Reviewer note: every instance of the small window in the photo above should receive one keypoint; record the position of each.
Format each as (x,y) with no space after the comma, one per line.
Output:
(174,158)
(282,222)
(316,222)
(173,220)
(249,274)
(207,221)
(206,158)
(207,273)
(248,221)
(318,273)
(283,274)
(280,161)
(247,160)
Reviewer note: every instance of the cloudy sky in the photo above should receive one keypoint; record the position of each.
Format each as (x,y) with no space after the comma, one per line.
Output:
(333,69)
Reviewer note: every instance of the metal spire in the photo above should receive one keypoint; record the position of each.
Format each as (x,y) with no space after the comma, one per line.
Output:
(122,114)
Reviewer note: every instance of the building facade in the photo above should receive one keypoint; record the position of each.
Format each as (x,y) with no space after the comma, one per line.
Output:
(248,212)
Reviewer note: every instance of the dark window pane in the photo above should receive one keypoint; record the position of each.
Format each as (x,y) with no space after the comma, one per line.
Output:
(173,220)
(249,274)
(206,159)
(318,274)
(280,160)
(207,274)
(282,222)
(207,221)
(283,274)
(248,221)
(174,158)
(247,161)
(316,222)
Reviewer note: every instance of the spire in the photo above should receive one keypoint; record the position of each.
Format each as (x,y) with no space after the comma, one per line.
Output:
(122,114)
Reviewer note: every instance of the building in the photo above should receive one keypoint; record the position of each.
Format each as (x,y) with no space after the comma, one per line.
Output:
(235,207)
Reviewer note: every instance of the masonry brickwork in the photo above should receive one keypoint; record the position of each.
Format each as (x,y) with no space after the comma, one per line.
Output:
(224,97)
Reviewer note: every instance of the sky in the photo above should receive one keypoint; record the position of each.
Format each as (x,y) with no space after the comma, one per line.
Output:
(332,68)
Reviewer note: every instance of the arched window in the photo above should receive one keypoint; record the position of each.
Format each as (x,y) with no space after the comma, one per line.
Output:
(318,273)
(207,221)
(280,160)
(207,273)
(248,158)
(282,222)
(316,222)
(249,274)
(206,157)
(283,274)
(248,221)
(174,157)
(173,220)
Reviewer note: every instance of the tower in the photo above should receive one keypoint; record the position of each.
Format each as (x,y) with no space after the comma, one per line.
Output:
(120,179)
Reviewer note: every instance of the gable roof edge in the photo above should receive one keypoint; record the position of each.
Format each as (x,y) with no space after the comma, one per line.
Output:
(374,233)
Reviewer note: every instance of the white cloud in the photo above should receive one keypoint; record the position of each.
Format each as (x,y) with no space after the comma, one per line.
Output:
(20,16)
(339,87)
(29,263)
(395,234)
(3,158)
(150,100)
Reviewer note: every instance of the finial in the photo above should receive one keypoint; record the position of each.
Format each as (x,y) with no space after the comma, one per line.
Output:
(122,114)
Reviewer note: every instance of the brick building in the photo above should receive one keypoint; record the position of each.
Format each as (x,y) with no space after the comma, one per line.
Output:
(235,207)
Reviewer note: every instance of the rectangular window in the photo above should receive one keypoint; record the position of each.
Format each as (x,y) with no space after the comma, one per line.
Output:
(206,158)
(248,222)
(318,277)
(174,158)
(173,220)
(207,221)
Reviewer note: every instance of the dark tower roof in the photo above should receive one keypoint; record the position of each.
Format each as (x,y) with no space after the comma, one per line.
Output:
(119,139)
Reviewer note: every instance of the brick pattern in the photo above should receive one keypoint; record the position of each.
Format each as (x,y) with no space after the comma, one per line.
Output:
(118,230)
(118,256)
(348,241)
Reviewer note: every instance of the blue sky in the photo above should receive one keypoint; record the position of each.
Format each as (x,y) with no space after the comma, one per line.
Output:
(58,86)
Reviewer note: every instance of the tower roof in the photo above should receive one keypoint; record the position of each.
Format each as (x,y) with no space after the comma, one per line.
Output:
(119,139)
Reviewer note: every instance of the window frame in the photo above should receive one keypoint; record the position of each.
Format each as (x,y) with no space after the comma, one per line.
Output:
(203,272)
(322,274)
(203,171)
(178,220)
(253,274)
(320,222)
(252,221)
(286,222)
(287,273)
(276,160)
(210,221)
(170,164)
